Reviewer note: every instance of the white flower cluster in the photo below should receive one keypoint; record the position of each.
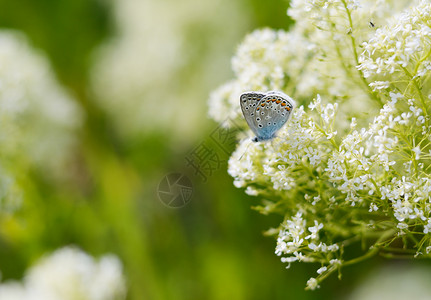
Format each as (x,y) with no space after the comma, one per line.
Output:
(38,118)
(317,55)
(265,61)
(403,45)
(147,77)
(69,274)
(339,172)
(285,167)
(312,172)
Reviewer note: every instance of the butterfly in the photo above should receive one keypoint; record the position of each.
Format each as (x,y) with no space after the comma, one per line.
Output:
(266,113)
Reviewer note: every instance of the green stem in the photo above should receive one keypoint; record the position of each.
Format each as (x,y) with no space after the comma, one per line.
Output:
(400,250)
(418,89)
(396,256)
(373,251)
(355,54)
(327,273)
(421,61)
(352,39)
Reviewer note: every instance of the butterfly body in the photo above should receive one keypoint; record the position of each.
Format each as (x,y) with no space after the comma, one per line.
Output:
(266,113)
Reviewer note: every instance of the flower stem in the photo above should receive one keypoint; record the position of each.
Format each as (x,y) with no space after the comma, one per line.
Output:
(373,251)
(355,54)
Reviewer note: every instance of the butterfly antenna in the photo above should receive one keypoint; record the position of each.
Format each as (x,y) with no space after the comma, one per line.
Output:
(245,150)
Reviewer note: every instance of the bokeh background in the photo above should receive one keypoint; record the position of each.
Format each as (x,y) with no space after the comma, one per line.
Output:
(141,73)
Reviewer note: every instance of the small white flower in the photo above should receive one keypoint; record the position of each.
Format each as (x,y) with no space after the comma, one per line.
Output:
(417,152)
(312,283)
(289,260)
(316,104)
(402,226)
(315,200)
(312,246)
(353,123)
(373,207)
(330,135)
(333,248)
(251,191)
(427,227)
(379,85)
(314,230)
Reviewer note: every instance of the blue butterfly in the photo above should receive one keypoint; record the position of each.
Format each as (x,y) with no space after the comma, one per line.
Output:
(266,113)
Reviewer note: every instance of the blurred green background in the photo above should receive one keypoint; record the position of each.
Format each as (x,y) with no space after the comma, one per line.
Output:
(214,247)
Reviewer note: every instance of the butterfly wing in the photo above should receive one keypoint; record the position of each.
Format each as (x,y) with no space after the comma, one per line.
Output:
(249,102)
(272,113)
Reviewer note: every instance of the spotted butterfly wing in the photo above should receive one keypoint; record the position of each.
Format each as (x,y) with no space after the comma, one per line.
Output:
(267,115)
(249,101)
